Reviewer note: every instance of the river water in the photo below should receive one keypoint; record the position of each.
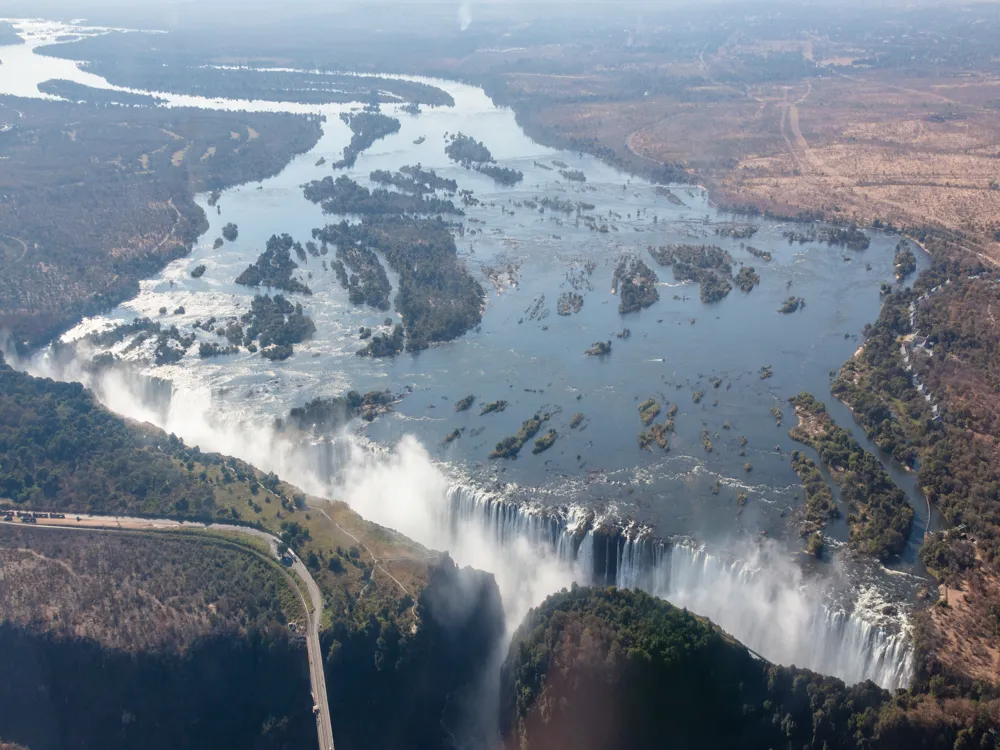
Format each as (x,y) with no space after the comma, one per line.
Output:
(528,355)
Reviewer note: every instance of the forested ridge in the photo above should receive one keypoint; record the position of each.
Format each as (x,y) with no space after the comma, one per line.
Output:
(610,668)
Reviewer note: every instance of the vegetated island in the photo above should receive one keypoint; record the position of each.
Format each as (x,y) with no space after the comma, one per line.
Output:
(509,447)
(880,516)
(665,192)
(368,282)
(473,154)
(384,344)
(791,305)
(648,410)
(905,262)
(635,284)
(851,236)
(129,60)
(274,267)
(325,415)
(207,349)
(819,504)
(276,324)
(736,231)
(78,92)
(367,127)
(230,232)
(569,303)
(709,265)
(464,404)
(599,349)
(657,434)
(747,279)
(493,406)
(170,346)
(438,299)
(345,196)
(545,442)
(414,179)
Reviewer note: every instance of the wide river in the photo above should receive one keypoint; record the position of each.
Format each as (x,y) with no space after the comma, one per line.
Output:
(524,352)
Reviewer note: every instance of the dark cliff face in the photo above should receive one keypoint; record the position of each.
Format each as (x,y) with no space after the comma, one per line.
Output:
(414,690)
(238,691)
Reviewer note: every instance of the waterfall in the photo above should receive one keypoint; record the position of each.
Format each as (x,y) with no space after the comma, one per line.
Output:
(585,557)
(772,611)
(762,600)
(505,521)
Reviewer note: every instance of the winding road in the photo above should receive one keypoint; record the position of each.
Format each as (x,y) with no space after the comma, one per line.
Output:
(313,608)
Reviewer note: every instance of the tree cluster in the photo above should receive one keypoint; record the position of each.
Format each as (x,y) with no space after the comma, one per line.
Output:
(277,325)
(345,196)
(329,414)
(367,127)
(709,265)
(438,299)
(880,516)
(635,283)
(274,267)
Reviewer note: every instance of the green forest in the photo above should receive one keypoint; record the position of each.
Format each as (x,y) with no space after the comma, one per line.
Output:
(603,668)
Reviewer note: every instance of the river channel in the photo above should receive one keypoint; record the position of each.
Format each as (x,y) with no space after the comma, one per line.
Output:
(711,360)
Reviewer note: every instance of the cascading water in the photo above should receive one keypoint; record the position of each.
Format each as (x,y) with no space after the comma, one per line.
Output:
(532,551)
(764,602)
(773,612)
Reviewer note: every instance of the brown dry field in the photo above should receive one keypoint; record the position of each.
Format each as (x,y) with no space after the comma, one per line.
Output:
(914,151)
(910,151)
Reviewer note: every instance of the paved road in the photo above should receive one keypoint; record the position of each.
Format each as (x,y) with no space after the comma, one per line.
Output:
(313,608)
